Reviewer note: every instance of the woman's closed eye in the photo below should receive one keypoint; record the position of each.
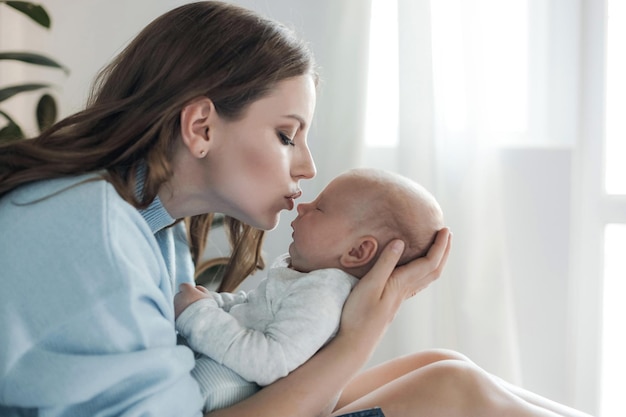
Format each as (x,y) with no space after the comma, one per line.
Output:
(286,140)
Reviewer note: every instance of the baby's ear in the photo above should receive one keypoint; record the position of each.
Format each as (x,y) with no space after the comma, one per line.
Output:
(360,253)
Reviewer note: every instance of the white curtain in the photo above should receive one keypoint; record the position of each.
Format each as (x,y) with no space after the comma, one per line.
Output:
(487,121)
(471,307)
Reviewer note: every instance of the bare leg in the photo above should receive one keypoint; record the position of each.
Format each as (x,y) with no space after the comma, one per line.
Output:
(377,376)
(525,395)
(445,388)
(540,401)
(386,373)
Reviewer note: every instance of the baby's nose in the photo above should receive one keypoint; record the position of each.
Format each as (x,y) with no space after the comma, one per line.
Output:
(302,208)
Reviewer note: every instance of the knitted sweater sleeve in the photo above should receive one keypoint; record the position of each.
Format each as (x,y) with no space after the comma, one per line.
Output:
(304,316)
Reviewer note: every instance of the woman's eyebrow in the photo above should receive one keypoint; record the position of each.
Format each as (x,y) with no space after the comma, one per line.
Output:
(299,119)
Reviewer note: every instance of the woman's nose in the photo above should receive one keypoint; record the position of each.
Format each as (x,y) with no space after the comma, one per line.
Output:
(304,166)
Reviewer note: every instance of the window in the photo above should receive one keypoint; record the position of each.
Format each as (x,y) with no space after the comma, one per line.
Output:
(546,82)
(614,278)
(615,151)
(381,114)
(613,311)
(468,57)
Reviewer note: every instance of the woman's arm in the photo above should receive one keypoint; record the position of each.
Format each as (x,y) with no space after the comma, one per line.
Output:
(313,388)
(87,326)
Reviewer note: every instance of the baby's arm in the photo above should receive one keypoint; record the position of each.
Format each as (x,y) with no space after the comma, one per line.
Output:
(188,294)
(227,300)
(304,320)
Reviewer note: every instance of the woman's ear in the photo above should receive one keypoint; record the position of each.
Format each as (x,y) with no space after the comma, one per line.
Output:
(360,253)
(195,119)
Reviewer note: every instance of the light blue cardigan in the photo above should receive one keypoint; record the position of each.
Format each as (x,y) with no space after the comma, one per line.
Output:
(86,312)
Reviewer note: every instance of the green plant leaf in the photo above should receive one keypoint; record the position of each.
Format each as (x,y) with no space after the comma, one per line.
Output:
(46,112)
(32,58)
(11,131)
(9,92)
(36,12)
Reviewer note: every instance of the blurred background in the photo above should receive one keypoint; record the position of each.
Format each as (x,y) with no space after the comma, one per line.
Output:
(510,111)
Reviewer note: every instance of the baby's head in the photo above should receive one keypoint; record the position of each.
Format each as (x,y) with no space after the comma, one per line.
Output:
(356,215)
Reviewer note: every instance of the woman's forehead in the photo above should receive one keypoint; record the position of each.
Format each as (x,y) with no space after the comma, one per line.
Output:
(293,98)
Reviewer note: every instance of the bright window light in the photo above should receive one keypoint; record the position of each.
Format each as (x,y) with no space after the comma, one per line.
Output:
(450,73)
(615,148)
(481,64)
(504,64)
(613,312)
(381,117)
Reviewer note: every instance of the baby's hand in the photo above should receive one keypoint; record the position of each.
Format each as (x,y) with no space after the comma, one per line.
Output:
(188,294)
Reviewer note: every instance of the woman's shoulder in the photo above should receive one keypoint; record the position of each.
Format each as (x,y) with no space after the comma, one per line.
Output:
(80,199)
(78,212)
(73,231)
(56,189)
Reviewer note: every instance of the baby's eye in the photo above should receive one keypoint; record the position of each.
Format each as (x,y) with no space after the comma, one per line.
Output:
(286,140)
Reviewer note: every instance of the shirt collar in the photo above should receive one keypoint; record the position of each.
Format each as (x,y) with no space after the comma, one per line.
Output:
(157,217)
(155,214)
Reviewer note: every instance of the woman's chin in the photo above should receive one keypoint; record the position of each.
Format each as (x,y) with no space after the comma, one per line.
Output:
(273,225)
(266,224)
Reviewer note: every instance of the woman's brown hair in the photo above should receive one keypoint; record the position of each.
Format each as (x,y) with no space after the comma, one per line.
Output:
(132,118)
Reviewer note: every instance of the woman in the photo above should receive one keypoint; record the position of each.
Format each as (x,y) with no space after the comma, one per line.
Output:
(206,111)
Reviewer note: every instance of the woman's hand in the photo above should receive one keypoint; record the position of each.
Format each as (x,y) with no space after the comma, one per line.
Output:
(376,299)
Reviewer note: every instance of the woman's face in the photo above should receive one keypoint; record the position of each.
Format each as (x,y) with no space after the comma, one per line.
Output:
(255,163)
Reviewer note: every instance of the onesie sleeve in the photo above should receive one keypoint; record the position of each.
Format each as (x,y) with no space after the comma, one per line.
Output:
(86,321)
(306,316)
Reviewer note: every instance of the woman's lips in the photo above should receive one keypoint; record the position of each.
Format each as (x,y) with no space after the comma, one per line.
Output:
(291,199)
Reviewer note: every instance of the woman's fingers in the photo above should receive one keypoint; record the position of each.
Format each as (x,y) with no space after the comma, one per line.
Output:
(364,308)
(378,295)
(438,251)
(418,274)
(377,277)
(444,259)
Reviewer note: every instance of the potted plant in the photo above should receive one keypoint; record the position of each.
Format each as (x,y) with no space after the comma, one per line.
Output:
(46,108)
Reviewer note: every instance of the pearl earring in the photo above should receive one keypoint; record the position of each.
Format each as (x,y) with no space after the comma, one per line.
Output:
(202,152)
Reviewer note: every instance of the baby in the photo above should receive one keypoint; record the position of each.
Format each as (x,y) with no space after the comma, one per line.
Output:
(249,340)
